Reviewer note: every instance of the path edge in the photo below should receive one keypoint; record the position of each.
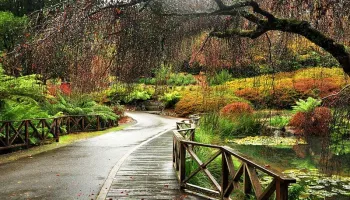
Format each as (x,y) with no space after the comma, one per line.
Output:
(109,180)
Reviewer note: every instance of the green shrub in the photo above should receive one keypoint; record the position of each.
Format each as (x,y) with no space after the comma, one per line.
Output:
(21,98)
(122,93)
(306,106)
(295,191)
(82,105)
(11,30)
(13,110)
(279,121)
(172,79)
(220,78)
(242,125)
(137,95)
(170,99)
(179,79)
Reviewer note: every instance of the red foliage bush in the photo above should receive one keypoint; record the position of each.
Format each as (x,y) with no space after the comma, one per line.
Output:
(313,123)
(251,94)
(279,97)
(237,108)
(282,97)
(316,87)
(65,88)
(194,102)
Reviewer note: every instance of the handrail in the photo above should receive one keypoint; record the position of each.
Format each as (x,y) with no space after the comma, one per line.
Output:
(184,148)
(1,121)
(17,133)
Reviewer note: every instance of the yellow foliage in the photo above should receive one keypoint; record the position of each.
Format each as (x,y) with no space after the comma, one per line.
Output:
(319,73)
(267,82)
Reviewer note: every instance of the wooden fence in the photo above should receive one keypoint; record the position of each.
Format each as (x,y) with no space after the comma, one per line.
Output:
(23,133)
(236,172)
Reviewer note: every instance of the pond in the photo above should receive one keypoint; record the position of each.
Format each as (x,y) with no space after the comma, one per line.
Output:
(322,168)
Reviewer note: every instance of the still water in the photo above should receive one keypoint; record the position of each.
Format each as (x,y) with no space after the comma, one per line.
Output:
(323,168)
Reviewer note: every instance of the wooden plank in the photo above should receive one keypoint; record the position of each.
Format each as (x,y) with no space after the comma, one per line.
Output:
(254,180)
(281,190)
(261,168)
(38,126)
(3,124)
(16,133)
(268,191)
(205,170)
(12,146)
(148,173)
(202,145)
(224,176)
(203,166)
(247,185)
(202,189)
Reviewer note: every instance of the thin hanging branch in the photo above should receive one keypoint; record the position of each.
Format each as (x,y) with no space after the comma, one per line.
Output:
(200,49)
(272,23)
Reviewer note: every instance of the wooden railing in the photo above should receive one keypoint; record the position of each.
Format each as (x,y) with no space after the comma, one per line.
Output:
(235,171)
(19,133)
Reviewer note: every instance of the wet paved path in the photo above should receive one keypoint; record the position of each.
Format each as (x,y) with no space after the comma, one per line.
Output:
(79,170)
(148,173)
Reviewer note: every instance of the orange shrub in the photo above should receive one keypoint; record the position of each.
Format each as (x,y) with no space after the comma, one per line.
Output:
(251,94)
(282,97)
(236,108)
(194,102)
(313,123)
(285,95)
(317,87)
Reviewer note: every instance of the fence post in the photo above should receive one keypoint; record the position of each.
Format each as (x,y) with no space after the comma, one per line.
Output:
(224,174)
(83,123)
(42,129)
(182,167)
(98,122)
(26,131)
(192,134)
(7,130)
(68,124)
(281,190)
(57,130)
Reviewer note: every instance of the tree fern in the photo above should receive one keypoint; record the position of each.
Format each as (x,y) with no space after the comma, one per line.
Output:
(306,106)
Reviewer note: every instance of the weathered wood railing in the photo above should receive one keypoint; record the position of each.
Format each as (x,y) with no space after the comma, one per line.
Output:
(18,133)
(232,176)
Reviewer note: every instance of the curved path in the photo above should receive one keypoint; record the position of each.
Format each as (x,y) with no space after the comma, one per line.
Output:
(79,170)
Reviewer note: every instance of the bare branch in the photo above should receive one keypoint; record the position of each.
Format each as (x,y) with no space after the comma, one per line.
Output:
(252,34)
(119,5)
(200,49)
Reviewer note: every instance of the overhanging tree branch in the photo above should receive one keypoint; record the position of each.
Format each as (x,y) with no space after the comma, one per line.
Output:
(272,23)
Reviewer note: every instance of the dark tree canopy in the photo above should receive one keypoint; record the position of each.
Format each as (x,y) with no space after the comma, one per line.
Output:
(79,39)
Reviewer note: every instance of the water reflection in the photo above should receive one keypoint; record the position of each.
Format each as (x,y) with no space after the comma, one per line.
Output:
(322,165)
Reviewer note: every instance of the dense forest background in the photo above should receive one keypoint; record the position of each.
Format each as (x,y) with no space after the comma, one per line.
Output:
(269,77)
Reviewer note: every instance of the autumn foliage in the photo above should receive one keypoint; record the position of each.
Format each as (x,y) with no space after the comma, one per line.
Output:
(197,102)
(236,108)
(316,87)
(285,94)
(312,123)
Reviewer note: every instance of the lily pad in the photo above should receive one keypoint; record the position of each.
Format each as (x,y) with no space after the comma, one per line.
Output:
(269,140)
